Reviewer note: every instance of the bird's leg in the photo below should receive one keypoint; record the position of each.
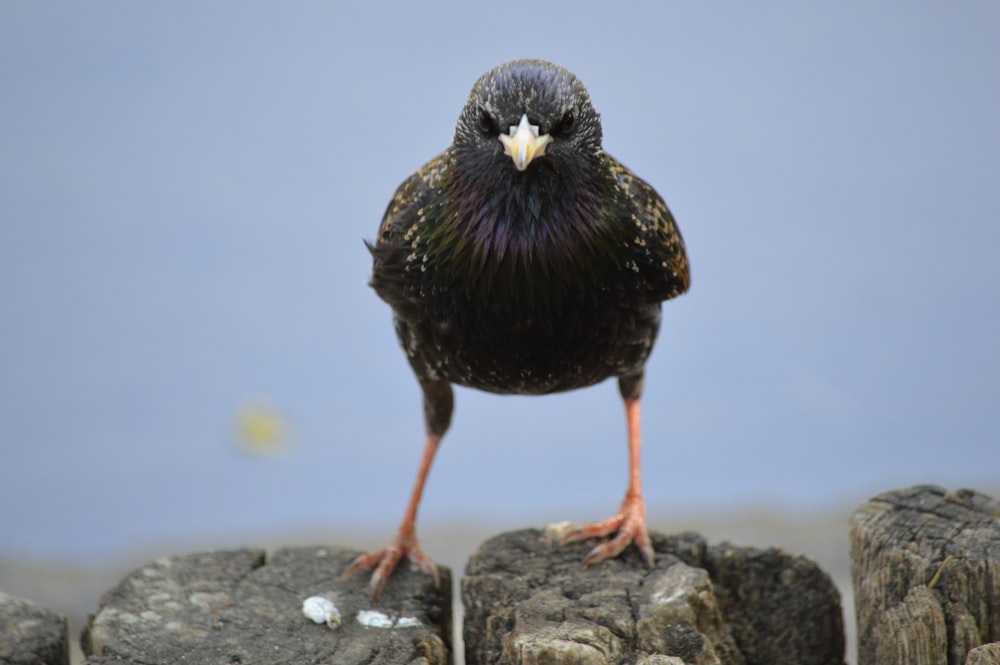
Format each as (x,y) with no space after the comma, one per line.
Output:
(438,405)
(405,543)
(630,522)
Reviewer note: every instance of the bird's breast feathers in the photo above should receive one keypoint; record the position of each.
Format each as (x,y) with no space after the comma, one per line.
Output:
(522,246)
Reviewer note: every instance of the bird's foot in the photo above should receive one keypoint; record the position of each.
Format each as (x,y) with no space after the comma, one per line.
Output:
(384,561)
(630,525)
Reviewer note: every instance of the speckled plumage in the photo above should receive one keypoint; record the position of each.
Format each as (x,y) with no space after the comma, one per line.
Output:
(526,281)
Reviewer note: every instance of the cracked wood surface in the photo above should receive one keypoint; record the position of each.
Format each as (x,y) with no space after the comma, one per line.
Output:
(242,606)
(31,634)
(527,601)
(926,570)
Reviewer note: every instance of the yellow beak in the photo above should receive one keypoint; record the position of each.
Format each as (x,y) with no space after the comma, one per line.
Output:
(523,144)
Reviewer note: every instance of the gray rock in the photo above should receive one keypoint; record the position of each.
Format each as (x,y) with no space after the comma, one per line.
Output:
(241,607)
(30,634)
(527,601)
(926,569)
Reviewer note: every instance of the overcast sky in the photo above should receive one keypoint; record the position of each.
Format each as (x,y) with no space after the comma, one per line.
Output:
(185,187)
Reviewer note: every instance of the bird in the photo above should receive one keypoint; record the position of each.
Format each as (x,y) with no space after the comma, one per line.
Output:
(524,259)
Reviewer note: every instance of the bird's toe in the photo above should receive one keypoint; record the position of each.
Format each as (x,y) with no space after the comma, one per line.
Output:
(628,526)
(595,530)
(385,561)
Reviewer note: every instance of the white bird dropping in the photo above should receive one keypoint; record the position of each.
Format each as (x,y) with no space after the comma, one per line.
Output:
(321,609)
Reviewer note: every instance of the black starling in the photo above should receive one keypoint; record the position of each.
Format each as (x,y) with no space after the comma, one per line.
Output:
(526,260)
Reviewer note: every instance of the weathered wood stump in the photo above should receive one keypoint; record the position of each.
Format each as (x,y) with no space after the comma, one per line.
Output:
(242,607)
(30,634)
(527,601)
(988,654)
(926,569)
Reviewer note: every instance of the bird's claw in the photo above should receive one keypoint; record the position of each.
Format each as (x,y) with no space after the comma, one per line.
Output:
(630,525)
(612,548)
(385,560)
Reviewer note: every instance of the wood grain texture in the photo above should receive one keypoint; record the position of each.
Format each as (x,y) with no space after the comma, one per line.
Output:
(926,570)
(242,606)
(527,602)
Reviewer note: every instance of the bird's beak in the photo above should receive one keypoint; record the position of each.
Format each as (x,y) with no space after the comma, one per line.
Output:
(523,144)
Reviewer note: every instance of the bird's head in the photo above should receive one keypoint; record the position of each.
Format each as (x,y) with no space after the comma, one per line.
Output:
(526,115)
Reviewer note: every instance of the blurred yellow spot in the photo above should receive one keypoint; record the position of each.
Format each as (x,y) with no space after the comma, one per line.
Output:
(261,430)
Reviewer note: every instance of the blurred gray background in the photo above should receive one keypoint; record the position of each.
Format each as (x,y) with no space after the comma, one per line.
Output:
(190,356)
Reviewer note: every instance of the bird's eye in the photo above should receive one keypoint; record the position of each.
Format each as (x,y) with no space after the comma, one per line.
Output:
(565,124)
(487,125)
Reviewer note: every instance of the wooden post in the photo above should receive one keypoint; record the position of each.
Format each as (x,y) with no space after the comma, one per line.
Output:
(241,606)
(31,634)
(926,570)
(988,654)
(527,601)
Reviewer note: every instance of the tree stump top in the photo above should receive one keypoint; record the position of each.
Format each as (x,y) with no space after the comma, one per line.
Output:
(527,601)
(30,634)
(242,607)
(926,569)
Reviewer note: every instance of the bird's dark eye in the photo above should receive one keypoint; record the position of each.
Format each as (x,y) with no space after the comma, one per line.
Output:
(565,124)
(487,125)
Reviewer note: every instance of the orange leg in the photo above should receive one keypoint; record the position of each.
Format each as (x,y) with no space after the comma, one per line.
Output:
(438,406)
(630,522)
(405,543)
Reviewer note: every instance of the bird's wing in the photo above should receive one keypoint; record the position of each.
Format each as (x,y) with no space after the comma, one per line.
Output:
(403,208)
(662,259)
(398,230)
